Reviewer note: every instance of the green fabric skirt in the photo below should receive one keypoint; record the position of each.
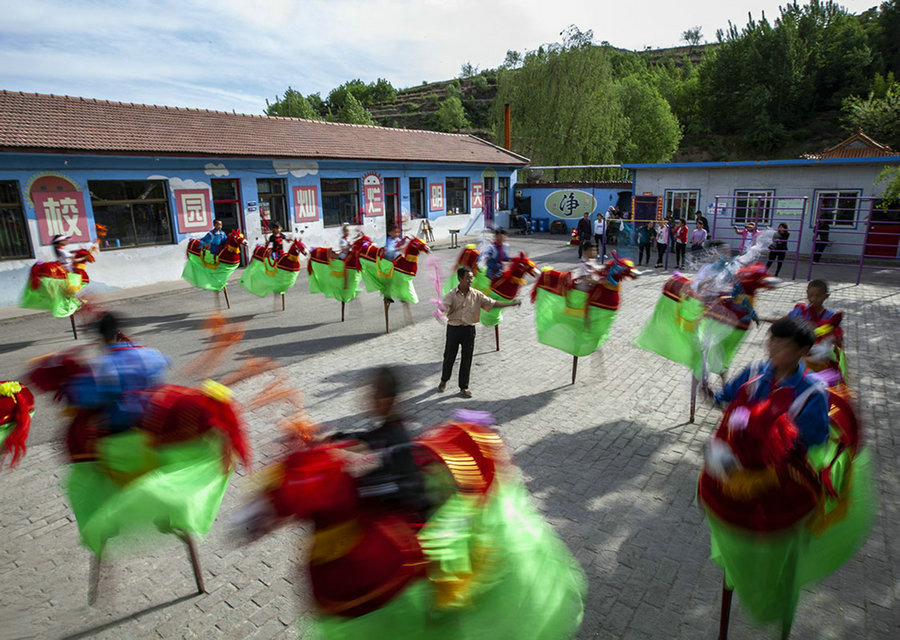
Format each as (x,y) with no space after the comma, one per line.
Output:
(678,332)
(389,282)
(135,488)
(561,324)
(54,295)
(261,279)
(768,570)
(516,578)
(330,280)
(204,273)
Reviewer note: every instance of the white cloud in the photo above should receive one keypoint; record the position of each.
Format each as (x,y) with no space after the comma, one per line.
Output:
(160,51)
(297,168)
(213,169)
(179,183)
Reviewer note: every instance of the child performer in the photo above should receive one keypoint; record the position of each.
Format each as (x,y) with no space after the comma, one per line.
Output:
(496,255)
(829,347)
(276,242)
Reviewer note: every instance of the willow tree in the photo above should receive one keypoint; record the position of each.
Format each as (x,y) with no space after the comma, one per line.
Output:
(568,108)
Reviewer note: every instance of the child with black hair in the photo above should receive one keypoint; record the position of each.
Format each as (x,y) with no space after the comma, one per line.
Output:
(276,242)
(829,348)
(785,373)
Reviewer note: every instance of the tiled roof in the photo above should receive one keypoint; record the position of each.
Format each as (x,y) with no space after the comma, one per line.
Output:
(859,145)
(37,122)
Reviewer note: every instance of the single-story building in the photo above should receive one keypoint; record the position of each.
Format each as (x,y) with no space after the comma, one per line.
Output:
(156,176)
(836,186)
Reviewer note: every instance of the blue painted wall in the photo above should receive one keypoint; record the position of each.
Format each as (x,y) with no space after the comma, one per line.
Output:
(603,197)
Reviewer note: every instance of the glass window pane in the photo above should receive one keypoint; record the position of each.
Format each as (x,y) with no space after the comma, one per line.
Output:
(117,220)
(224,189)
(144,190)
(107,190)
(9,193)
(14,241)
(263,186)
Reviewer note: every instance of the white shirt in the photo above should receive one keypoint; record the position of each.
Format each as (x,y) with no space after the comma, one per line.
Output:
(599,226)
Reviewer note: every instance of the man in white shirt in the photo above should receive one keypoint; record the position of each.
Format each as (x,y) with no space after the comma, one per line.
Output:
(463,307)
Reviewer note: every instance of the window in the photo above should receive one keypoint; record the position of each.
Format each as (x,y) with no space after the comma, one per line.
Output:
(134,212)
(457,195)
(272,203)
(753,206)
(504,194)
(417,198)
(839,207)
(391,202)
(682,204)
(227,203)
(13,230)
(340,201)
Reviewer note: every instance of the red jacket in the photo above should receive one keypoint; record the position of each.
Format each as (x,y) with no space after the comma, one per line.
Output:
(681,234)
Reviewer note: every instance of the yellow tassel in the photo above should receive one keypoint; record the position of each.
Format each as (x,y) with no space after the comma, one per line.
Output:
(747,484)
(216,391)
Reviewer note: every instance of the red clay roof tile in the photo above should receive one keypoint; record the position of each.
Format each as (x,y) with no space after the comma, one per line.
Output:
(46,123)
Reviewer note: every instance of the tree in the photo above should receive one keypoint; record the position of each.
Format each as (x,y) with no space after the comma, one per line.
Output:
(451,116)
(692,36)
(353,112)
(878,117)
(292,105)
(467,70)
(382,91)
(890,178)
(513,60)
(652,133)
(338,96)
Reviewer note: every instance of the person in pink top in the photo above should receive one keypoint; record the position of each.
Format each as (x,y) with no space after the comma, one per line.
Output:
(748,235)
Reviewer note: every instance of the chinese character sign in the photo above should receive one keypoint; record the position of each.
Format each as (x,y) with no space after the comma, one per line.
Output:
(306,204)
(437,197)
(194,211)
(61,213)
(374,203)
(570,204)
(477,195)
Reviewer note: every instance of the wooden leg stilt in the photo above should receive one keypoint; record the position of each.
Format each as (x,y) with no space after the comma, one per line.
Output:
(574,368)
(195,560)
(93,580)
(343,304)
(497,335)
(387,326)
(74,328)
(725,614)
(694,384)
(225,291)
(282,302)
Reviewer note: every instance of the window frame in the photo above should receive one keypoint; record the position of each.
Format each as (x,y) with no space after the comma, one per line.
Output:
(668,197)
(835,224)
(16,209)
(467,195)
(351,192)
(164,200)
(503,194)
(421,200)
(270,197)
(770,208)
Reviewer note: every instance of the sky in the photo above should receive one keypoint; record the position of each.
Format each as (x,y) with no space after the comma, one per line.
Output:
(232,55)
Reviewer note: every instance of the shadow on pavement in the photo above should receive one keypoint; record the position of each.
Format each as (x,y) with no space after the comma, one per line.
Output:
(106,626)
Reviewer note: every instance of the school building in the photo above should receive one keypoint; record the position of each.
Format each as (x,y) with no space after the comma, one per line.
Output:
(156,176)
(829,198)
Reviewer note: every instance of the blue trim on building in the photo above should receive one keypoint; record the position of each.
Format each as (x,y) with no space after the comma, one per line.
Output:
(764,163)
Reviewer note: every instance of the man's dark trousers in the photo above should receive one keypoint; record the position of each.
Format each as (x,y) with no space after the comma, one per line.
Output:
(457,336)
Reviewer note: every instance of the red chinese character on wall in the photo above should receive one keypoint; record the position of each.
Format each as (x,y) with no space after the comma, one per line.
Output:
(373,194)
(194,212)
(437,196)
(59,208)
(477,195)
(306,204)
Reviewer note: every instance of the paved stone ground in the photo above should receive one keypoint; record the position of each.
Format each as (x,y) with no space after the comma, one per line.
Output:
(611,461)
